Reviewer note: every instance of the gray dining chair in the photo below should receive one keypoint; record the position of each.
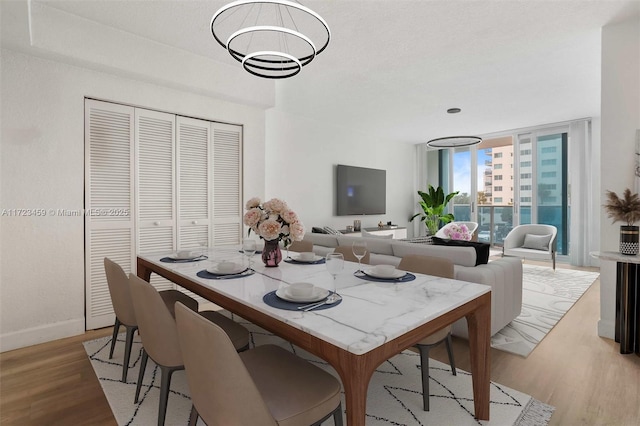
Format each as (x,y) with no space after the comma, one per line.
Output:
(347,253)
(118,284)
(439,267)
(159,336)
(266,385)
(301,246)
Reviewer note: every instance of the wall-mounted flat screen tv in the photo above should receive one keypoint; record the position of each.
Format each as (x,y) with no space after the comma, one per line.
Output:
(360,190)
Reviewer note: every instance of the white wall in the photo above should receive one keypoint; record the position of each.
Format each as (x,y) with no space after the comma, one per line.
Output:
(301,155)
(42,166)
(620,119)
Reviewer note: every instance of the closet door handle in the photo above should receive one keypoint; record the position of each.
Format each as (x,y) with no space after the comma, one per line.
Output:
(195,222)
(156,223)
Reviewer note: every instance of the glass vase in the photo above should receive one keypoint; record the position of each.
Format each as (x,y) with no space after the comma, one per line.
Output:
(271,254)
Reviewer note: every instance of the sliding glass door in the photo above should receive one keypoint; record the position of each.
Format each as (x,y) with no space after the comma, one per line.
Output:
(542,188)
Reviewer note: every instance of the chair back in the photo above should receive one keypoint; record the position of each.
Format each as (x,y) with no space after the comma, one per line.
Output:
(347,253)
(429,265)
(301,246)
(119,291)
(222,389)
(156,325)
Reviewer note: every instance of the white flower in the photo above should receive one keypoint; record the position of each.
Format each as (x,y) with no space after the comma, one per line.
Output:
(252,203)
(275,205)
(269,229)
(252,217)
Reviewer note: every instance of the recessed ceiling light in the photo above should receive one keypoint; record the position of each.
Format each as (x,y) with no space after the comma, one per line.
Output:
(453,110)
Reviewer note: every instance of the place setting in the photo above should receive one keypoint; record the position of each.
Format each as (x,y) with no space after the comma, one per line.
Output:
(185,256)
(305,258)
(384,273)
(226,269)
(303,296)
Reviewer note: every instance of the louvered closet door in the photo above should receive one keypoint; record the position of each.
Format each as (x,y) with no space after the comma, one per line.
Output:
(108,189)
(155,185)
(194,182)
(227,183)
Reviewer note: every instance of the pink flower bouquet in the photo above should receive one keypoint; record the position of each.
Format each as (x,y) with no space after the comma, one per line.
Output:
(457,231)
(273,220)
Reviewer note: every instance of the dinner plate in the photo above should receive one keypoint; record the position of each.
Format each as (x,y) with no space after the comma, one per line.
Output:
(319,293)
(315,259)
(239,269)
(396,274)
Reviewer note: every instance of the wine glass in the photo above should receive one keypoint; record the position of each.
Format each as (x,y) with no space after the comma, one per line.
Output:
(335,264)
(359,250)
(249,249)
(203,248)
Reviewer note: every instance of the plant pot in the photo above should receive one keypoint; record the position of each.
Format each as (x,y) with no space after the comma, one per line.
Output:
(629,240)
(271,254)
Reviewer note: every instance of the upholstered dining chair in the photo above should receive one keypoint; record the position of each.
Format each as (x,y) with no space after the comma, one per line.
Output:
(301,246)
(347,252)
(159,336)
(439,267)
(118,284)
(266,385)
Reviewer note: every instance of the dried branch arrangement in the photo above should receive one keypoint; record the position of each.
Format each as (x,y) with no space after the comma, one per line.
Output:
(625,209)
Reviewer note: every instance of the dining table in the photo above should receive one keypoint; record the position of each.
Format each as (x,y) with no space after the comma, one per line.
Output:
(375,319)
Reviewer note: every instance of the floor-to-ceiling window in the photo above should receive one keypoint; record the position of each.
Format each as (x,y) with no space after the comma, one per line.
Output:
(543,188)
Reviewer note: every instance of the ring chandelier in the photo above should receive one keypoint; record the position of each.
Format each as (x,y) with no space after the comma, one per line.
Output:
(454,141)
(266,36)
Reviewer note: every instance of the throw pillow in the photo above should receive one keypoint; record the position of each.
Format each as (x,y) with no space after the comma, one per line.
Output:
(536,242)
(482,249)
(382,237)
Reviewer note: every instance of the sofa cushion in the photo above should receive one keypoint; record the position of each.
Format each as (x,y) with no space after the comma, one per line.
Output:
(374,245)
(327,240)
(536,242)
(482,249)
(381,237)
(465,256)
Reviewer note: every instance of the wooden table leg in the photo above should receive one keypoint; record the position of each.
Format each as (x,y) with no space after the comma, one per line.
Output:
(355,373)
(479,323)
(143,272)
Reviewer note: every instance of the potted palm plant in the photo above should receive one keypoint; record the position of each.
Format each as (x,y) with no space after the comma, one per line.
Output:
(625,209)
(433,204)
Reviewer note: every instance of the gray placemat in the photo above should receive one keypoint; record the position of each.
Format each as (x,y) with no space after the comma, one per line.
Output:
(208,275)
(195,259)
(298,262)
(405,278)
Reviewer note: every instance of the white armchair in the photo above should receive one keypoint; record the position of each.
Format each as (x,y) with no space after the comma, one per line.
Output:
(533,241)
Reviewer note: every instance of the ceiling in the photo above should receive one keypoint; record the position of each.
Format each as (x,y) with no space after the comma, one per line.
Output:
(393,67)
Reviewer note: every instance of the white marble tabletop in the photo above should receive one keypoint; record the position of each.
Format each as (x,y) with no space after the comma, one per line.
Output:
(615,256)
(371,313)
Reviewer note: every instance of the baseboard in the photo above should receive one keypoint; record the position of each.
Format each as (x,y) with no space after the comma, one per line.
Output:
(606,329)
(41,334)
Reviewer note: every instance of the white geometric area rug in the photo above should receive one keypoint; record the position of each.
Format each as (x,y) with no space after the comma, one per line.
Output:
(547,295)
(394,396)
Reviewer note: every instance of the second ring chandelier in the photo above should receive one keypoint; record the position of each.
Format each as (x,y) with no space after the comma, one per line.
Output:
(271,38)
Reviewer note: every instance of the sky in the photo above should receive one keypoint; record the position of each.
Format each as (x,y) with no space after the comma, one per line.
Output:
(462,170)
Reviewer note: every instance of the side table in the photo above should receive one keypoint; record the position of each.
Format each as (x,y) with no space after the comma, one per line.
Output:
(627,325)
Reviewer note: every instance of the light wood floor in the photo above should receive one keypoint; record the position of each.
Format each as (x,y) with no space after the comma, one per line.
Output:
(582,375)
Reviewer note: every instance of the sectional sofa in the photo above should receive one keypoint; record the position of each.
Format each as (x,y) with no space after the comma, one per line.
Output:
(503,275)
